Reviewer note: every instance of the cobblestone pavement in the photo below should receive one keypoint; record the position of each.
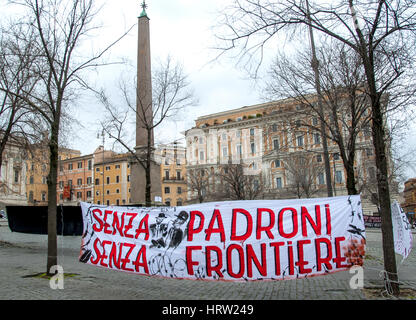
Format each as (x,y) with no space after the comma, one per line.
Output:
(23,255)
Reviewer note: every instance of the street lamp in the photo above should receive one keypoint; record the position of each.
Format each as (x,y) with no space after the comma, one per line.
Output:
(102,172)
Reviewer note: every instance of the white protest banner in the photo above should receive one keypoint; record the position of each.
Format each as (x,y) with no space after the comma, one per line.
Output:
(234,241)
(402,231)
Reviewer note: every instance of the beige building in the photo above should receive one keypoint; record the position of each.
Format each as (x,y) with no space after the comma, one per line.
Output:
(268,140)
(173,173)
(37,170)
(75,180)
(111,177)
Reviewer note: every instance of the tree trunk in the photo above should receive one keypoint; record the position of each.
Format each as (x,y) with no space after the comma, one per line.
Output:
(367,55)
(52,209)
(384,195)
(350,183)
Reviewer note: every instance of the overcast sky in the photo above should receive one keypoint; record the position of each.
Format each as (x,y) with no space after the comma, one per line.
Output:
(183,30)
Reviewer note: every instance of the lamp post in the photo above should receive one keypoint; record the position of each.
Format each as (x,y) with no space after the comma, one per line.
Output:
(102,172)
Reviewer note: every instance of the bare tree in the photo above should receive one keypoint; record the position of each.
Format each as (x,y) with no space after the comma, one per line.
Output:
(345,108)
(17,58)
(58,29)
(171,94)
(380,31)
(239,184)
(198,182)
(302,172)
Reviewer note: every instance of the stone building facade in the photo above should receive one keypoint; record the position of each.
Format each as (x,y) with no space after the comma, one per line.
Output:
(267,140)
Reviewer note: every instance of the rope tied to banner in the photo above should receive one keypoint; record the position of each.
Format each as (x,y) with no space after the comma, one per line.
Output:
(388,283)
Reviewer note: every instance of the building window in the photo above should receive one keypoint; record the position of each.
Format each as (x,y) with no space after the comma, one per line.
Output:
(89,164)
(16,176)
(167,174)
(179,203)
(239,151)
(117,179)
(117,190)
(89,180)
(178,175)
(43,196)
(98,169)
(179,190)
(88,194)
(275,144)
(61,184)
(336,156)
(252,132)
(321,179)
(70,166)
(108,168)
(108,180)
(224,151)
(97,181)
(299,140)
(201,155)
(277,163)
(167,190)
(319,158)
(79,165)
(279,183)
(31,180)
(274,127)
(108,202)
(128,178)
(317,138)
(253,147)
(79,182)
(167,203)
(338,176)
(117,166)
(118,202)
(79,195)
(315,121)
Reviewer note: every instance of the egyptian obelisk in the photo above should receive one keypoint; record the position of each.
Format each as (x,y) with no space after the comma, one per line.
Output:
(144,115)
